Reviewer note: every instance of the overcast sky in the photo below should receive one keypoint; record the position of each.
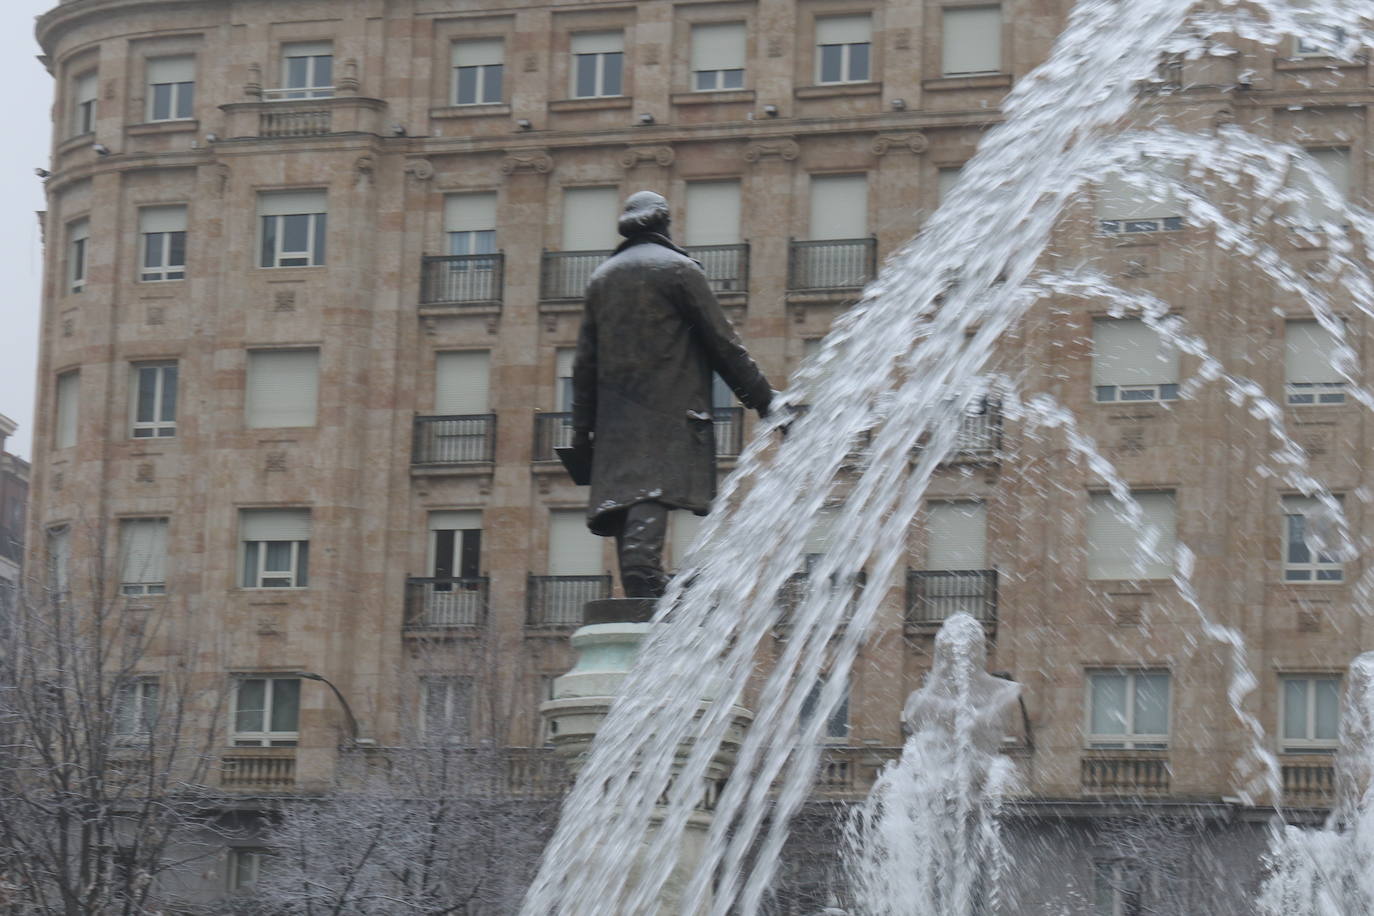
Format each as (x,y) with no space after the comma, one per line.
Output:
(28,98)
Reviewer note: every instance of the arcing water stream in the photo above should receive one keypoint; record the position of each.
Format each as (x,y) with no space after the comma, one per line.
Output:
(897,372)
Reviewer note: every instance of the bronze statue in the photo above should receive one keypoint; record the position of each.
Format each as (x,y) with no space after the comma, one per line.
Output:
(652,334)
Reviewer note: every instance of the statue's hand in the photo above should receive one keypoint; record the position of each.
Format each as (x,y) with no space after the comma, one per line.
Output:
(582,439)
(765,407)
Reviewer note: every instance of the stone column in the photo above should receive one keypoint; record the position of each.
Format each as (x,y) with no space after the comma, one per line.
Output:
(605,648)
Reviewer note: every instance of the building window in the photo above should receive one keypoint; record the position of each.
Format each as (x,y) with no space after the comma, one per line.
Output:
(1116,549)
(246,866)
(1316,210)
(1145,205)
(163,235)
(135,708)
(275,547)
(1308,362)
(713,213)
(1131,362)
(78,254)
(837,726)
(58,541)
(68,402)
(1128,709)
(307,70)
(683,528)
(1311,541)
(971,42)
(154,406)
(1325,41)
(573,550)
(1311,714)
(957,535)
(281,388)
(589,219)
(598,64)
(143,556)
(470,223)
(267,712)
(843,45)
(1118,889)
(718,56)
(85,90)
(293,225)
(171,88)
(563,359)
(455,546)
(446,709)
(839,206)
(477,67)
(945,180)
(462,381)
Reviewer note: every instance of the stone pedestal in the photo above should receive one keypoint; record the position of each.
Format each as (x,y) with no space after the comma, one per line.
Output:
(606,646)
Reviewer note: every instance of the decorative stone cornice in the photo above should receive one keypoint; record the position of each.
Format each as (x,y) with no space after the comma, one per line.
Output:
(915,142)
(784,148)
(662,155)
(538,161)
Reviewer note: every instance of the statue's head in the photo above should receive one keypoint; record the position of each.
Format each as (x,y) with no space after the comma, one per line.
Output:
(960,641)
(644,211)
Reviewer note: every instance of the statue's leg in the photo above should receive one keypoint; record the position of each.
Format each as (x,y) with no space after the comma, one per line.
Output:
(640,545)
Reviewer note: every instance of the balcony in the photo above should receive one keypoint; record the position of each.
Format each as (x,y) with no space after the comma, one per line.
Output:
(979,435)
(446,603)
(464,279)
(564,274)
(1308,781)
(441,441)
(259,770)
(273,119)
(726,266)
(555,602)
(1118,772)
(932,595)
(295,120)
(831,264)
(554,430)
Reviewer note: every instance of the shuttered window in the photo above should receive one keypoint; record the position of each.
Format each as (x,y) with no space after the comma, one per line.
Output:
(171,88)
(85,90)
(971,40)
(275,545)
(1126,207)
(957,534)
(58,541)
(78,253)
(68,402)
(143,556)
(683,527)
(1316,210)
(713,213)
(718,55)
(1114,544)
(1132,363)
(154,402)
(307,71)
(1311,377)
(598,63)
(470,224)
(282,388)
(843,48)
(573,550)
(946,179)
(446,709)
(294,228)
(839,206)
(477,71)
(589,219)
(563,370)
(462,383)
(162,234)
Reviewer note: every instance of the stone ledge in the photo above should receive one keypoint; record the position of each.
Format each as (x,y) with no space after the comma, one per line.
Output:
(594,104)
(952,83)
(489,110)
(153,128)
(712,97)
(838,90)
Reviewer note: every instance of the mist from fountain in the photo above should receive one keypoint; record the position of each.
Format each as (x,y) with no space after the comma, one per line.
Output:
(891,383)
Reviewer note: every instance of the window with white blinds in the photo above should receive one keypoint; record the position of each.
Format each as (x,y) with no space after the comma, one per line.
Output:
(1316,209)
(718,55)
(78,253)
(462,383)
(971,40)
(956,535)
(563,359)
(843,49)
(281,388)
(839,206)
(477,71)
(275,547)
(171,88)
(307,71)
(1132,363)
(1125,207)
(67,408)
(598,63)
(58,541)
(446,708)
(294,228)
(713,213)
(683,526)
(589,219)
(573,550)
(1309,373)
(85,90)
(1114,545)
(470,226)
(946,179)
(274,524)
(162,233)
(143,556)
(1311,541)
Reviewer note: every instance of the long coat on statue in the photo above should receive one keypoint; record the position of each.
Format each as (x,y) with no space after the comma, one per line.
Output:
(652,333)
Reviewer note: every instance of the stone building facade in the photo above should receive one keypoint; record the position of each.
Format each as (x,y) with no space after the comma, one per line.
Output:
(312,278)
(14,498)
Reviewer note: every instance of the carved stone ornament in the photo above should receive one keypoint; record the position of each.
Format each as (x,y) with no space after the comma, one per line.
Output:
(528,160)
(784,148)
(915,142)
(652,53)
(284,300)
(363,166)
(156,315)
(1224,117)
(419,169)
(222,175)
(348,80)
(145,472)
(663,155)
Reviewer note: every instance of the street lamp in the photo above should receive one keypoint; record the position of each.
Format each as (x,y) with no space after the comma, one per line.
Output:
(348,710)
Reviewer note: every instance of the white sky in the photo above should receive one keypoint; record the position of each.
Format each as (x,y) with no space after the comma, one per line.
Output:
(26,108)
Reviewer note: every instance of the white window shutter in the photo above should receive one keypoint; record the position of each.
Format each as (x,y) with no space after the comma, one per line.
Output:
(589,219)
(86,87)
(1126,351)
(292,203)
(947,179)
(844,30)
(713,213)
(573,550)
(462,383)
(683,526)
(143,546)
(470,212)
(79,230)
(839,207)
(972,40)
(718,46)
(282,388)
(957,535)
(1308,351)
(597,42)
(1114,545)
(274,524)
(162,219)
(820,537)
(307,49)
(68,402)
(563,361)
(455,520)
(1336,164)
(181,69)
(479,52)
(1117,199)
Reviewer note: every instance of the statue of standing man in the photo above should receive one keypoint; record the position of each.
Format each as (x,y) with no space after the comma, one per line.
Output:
(652,335)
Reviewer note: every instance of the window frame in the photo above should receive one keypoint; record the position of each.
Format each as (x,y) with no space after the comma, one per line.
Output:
(60,414)
(181,95)
(846,61)
(85,109)
(1129,739)
(599,67)
(1142,393)
(1315,566)
(78,254)
(482,76)
(456,687)
(254,554)
(839,727)
(135,690)
(238,857)
(163,427)
(165,243)
(266,737)
(719,77)
(1307,744)
(142,588)
(272,255)
(310,89)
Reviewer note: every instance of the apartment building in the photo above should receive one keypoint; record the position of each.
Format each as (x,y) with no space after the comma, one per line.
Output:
(312,287)
(14,497)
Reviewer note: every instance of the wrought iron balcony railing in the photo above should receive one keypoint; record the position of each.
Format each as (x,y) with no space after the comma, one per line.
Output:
(932,595)
(446,603)
(554,430)
(454,440)
(831,264)
(564,274)
(461,278)
(556,601)
(726,266)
